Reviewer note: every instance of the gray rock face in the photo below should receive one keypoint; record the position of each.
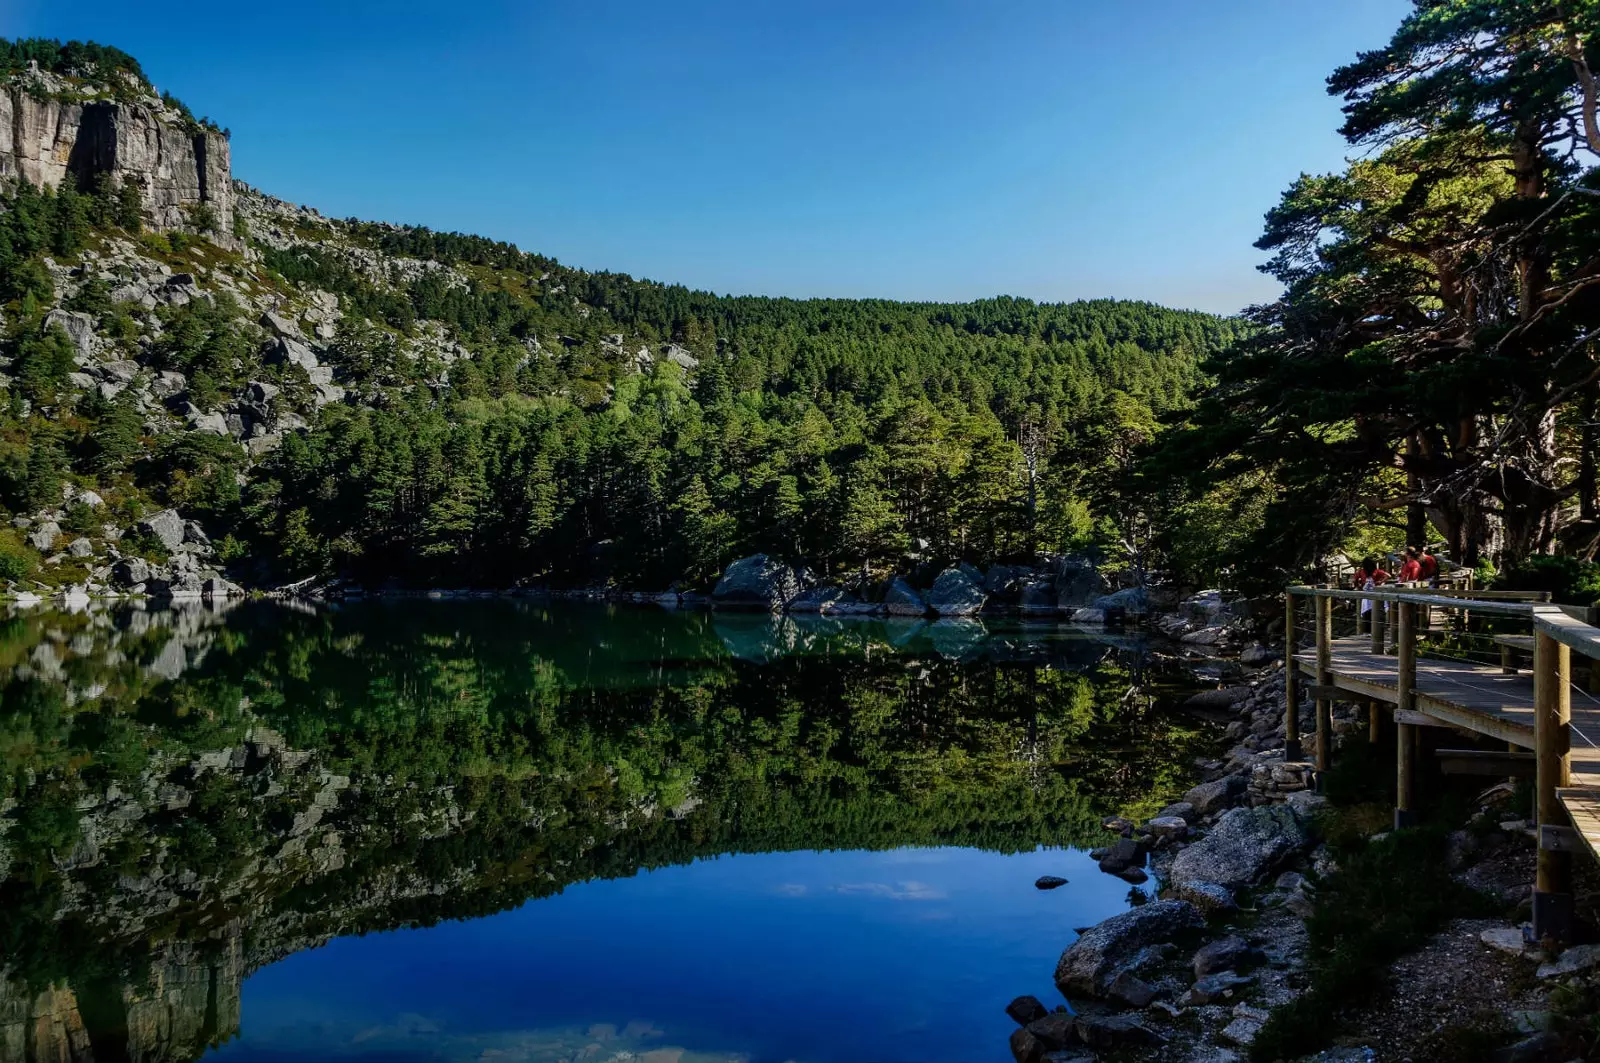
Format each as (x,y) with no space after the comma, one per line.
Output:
(955,593)
(41,535)
(1223,954)
(130,571)
(1078,583)
(1133,601)
(1089,965)
(81,548)
(166,526)
(1209,897)
(1244,846)
(79,327)
(181,585)
(902,600)
(1217,795)
(45,140)
(756,582)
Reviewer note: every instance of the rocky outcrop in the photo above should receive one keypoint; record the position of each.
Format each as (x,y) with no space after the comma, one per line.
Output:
(756,582)
(1244,846)
(1121,944)
(956,593)
(901,599)
(48,135)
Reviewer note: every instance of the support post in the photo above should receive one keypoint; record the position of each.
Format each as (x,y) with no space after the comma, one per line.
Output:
(1552,717)
(1405,801)
(1291,685)
(1374,722)
(1324,680)
(1377,625)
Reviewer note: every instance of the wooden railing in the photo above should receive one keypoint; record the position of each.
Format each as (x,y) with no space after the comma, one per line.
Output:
(1395,620)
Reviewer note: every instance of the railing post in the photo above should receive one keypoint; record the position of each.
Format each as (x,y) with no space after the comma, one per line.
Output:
(1377,626)
(1552,717)
(1291,685)
(1405,801)
(1324,680)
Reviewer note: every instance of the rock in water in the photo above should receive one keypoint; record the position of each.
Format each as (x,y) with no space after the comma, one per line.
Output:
(955,593)
(1050,882)
(1242,848)
(1026,1009)
(756,582)
(1215,796)
(1089,965)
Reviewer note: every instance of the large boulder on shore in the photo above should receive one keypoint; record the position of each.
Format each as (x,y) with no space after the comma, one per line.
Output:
(901,599)
(1089,965)
(1078,583)
(1132,601)
(825,599)
(1242,848)
(756,582)
(956,593)
(166,526)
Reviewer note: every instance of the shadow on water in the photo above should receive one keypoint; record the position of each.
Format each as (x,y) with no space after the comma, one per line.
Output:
(187,797)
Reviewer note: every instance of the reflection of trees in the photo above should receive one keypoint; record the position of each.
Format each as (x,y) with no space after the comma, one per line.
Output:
(318,774)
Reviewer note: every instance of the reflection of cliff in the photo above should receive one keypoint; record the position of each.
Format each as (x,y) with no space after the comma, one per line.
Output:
(183,1004)
(305,776)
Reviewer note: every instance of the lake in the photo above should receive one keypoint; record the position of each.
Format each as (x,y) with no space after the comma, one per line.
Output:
(510,830)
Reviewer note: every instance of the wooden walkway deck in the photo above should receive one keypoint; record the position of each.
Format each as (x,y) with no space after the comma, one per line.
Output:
(1473,697)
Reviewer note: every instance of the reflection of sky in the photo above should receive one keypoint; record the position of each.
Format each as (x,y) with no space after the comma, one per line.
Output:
(839,956)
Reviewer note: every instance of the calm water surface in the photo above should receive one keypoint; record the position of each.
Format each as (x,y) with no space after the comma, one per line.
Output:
(500,830)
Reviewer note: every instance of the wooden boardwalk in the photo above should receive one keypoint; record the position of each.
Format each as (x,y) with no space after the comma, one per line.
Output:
(1539,710)
(1474,697)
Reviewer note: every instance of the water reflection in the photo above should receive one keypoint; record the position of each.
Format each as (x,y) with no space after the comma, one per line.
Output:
(190,796)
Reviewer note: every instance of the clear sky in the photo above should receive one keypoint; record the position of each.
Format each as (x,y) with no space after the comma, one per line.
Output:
(913,149)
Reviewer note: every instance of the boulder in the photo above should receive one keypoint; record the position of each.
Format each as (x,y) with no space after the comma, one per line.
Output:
(217,589)
(1242,848)
(1089,616)
(1132,601)
(79,328)
(1114,1031)
(756,582)
(41,535)
(1224,954)
(1037,596)
(1126,854)
(1132,991)
(1058,1029)
(1216,795)
(1257,654)
(80,547)
(130,572)
(820,600)
(1026,1009)
(1090,964)
(1578,958)
(956,593)
(1208,897)
(1214,988)
(261,391)
(1049,882)
(166,526)
(1026,1048)
(1226,698)
(900,599)
(181,585)
(1078,583)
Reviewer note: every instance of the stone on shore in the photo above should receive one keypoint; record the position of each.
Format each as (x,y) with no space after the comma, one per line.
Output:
(1242,848)
(956,593)
(1089,965)
(1026,1009)
(900,599)
(756,582)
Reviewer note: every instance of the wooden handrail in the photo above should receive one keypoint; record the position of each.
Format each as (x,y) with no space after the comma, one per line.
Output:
(1438,601)
(1572,633)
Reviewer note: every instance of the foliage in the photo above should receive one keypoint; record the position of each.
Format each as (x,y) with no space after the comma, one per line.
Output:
(1570,580)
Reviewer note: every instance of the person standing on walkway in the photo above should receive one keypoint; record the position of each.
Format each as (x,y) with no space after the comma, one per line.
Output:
(1411,568)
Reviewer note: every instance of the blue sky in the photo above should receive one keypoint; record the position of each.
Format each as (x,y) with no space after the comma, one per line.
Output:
(914,149)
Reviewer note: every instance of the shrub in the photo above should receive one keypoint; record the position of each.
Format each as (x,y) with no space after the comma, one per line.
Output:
(1569,580)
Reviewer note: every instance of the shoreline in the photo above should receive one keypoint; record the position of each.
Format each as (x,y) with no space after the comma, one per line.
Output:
(1241,863)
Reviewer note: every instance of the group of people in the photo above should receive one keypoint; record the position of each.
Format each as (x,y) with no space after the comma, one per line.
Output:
(1416,566)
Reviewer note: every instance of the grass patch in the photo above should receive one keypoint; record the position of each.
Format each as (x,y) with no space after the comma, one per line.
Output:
(1478,1040)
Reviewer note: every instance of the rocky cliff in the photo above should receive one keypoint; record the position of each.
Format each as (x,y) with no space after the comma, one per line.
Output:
(50,130)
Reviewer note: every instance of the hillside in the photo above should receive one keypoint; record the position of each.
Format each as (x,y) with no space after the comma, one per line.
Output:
(317,397)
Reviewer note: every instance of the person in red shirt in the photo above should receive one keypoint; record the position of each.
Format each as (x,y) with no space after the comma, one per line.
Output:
(1411,569)
(1429,568)
(1371,574)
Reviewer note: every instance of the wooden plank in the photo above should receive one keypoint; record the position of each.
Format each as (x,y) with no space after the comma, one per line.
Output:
(1436,601)
(1417,719)
(1515,642)
(1584,808)
(1482,762)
